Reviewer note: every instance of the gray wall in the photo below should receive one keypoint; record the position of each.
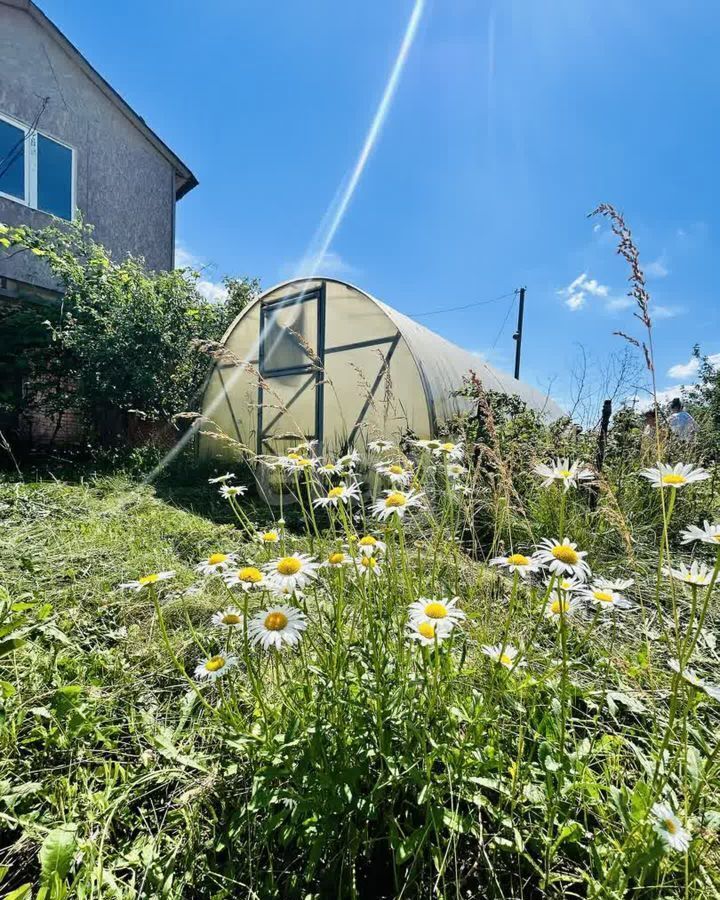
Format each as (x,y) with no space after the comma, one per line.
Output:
(124,186)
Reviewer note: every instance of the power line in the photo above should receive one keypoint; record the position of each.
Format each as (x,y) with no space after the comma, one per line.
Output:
(435,312)
(15,150)
(504,321)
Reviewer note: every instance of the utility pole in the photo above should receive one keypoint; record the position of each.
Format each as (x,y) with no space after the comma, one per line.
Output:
(517,337)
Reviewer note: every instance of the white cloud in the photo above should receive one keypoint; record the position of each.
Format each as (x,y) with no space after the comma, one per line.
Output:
(658,312)
(577,291)
(685,370)
(615,304)
(214,291)
(657,268)
(692,367)
(331,265)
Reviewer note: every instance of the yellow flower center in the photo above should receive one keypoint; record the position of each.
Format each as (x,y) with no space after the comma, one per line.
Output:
(673,478)
(148,579)
(336,558)
(336,492)
(565,554)
(564,473)
(231,619)
(303,462)
(368,561)
(215,663)
(395,469)
(427,630)
(603,596)
(396,499)
(670,825)
(505,659)
(367,541)
(275,621)
(289,566)
(447,447)
(716,537)
(517,559)
(250,574)
(436,610)
(294,456)
(216,558)
(270,537)
(558,606)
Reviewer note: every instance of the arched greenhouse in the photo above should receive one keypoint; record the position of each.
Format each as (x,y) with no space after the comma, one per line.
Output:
(323,360)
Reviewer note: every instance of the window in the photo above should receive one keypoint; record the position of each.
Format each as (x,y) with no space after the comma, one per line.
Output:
(12,160)
(288,334)
(36,169)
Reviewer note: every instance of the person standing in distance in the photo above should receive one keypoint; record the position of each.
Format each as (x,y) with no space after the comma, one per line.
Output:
(681,422)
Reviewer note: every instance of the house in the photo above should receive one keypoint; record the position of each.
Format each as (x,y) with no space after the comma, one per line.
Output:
(70,144)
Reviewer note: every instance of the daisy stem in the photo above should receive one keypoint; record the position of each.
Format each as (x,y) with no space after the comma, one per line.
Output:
(178,665)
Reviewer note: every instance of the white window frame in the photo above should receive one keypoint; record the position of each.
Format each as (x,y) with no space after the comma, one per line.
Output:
(31,171)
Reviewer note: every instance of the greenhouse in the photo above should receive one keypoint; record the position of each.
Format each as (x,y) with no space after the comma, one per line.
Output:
(323,360)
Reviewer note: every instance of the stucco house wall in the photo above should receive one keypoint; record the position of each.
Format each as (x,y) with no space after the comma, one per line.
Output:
(125,186)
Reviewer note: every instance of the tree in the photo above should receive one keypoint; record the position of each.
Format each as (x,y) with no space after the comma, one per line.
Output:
(121,339)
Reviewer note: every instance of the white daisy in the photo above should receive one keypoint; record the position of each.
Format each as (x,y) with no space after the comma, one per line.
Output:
(380,446)
(348,461)
(565,584)
(232,490)
(425,444)
(215,667)
(336,559)
(562,470)
(669,828)
(433,611)
(216,562)
(449,451)
(563,558)
(455,470)
(283,590)
(230,618)
(605,598)
(296,462)
(370,545)
(677,476)
(708,534)
(398,475)
(429,633)
(560,604)
(247,578)
(396,503)
(276,626)
(504,655)
(613,584)
(304,447)
(329,469)
(146,581)
(268,537)
(341,494)
(367,566)
(698,575)
(517,562)
(291,572)
(691,676)
(228,476)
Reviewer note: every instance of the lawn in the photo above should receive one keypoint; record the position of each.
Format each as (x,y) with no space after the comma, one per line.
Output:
(432,725)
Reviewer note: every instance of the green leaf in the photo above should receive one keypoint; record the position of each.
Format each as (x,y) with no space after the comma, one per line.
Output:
(24,892)
(56,852)
(10,644)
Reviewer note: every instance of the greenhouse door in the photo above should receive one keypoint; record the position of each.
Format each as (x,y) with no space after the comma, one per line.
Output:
(291,357)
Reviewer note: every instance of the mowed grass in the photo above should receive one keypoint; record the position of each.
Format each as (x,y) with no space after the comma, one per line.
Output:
(360,763)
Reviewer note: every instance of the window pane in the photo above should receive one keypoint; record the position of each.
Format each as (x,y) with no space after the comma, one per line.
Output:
(289,335)
(12,160)
(54,165)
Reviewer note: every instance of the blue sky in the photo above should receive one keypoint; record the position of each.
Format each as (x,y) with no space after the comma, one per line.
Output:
(511,121)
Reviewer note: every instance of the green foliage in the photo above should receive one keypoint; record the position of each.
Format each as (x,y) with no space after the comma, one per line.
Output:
(122,338)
